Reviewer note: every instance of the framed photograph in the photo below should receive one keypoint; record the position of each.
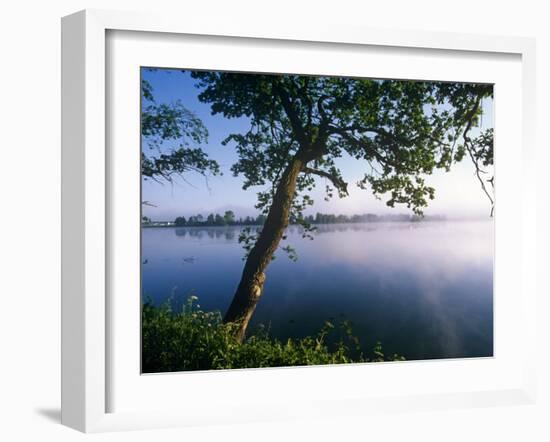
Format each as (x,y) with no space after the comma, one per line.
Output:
(271,222)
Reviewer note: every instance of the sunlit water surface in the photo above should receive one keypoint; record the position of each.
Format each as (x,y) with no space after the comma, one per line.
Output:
(424,290)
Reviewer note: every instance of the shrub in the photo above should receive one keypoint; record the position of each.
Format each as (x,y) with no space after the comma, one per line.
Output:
(191,339)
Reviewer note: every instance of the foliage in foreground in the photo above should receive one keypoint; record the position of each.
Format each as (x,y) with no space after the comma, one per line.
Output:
(191,339)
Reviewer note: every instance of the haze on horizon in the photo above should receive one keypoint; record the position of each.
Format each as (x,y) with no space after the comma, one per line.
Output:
(458,192)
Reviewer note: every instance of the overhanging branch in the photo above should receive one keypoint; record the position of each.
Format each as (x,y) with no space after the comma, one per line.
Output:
(336,180)
(468,144)
(291,112)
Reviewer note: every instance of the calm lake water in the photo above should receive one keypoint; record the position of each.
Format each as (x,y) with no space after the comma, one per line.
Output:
(425,290)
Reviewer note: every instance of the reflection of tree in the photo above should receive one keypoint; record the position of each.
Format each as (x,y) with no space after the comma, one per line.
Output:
(226,233)
(230,233)
(363,227)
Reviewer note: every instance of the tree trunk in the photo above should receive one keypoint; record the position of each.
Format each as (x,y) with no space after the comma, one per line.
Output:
(252,280)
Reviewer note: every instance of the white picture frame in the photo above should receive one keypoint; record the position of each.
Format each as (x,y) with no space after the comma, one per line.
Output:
(86,314)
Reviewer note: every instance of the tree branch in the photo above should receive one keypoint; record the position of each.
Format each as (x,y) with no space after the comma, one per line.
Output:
(291,113)
(358,143)
(337,181)
(468,143)
(377,130)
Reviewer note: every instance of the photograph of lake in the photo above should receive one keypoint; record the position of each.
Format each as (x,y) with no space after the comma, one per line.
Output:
(293,220)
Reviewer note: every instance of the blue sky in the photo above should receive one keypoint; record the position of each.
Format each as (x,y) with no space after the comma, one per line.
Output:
(457,192)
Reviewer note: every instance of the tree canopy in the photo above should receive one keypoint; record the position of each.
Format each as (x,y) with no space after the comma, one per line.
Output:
(402,130)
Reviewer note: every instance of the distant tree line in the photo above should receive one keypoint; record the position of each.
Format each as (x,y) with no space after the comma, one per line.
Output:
(330,218)
(229,219)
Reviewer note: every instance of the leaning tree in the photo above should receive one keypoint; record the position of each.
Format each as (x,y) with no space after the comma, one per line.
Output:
(301,125)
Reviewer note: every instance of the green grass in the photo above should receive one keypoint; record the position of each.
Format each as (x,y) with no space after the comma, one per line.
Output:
(191,339)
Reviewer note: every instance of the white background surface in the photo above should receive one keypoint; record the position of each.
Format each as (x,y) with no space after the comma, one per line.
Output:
(29,219)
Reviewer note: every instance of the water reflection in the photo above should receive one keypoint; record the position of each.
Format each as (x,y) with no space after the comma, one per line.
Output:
(423,289)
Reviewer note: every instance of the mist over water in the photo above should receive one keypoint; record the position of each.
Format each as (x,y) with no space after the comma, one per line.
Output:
(425,290)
